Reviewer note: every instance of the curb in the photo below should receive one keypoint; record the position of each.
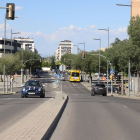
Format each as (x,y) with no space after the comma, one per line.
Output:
(48,132)
(8,93)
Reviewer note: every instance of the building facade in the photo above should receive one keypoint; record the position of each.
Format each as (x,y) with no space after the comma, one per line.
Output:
(56,55)
(27,44)
(64,47)
(135,7)
(9,48)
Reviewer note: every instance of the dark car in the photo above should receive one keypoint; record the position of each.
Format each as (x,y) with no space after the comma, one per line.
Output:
(114,89)
(36,74)
(33,88)
(99,89)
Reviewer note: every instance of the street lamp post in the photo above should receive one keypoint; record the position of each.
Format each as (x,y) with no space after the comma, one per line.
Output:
(77,48)
(84,51)
(11,39)
(108,34)
(99,57)
(127,5)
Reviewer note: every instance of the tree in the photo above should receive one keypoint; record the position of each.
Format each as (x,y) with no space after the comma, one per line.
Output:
(134,33)
(45,63)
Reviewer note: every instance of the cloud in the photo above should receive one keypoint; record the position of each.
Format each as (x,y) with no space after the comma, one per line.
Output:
(18,8)
(92,26)
(38,33)
(7,27)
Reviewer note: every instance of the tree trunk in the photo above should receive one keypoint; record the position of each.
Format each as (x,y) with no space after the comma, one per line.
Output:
(137,81)
(122,91)
(85,77)
(90,80)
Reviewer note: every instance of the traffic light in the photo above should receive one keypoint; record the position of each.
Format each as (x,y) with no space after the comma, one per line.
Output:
(64,59)
(10,12)
(83,55)
(111,77)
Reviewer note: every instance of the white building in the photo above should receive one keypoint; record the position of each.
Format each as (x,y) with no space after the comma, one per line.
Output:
(64,47)
(27,44)
(9,48)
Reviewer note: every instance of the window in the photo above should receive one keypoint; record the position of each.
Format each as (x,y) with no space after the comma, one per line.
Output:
(75,74)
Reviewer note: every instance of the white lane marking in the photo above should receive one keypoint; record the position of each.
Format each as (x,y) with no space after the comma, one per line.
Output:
(73,84)
(74,94)
(125,106)
(113,101)
(46,83)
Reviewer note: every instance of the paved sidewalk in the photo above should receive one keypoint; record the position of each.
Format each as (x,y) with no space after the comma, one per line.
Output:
(132,96)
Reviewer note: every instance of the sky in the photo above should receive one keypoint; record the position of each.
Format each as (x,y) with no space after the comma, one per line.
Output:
(50,21)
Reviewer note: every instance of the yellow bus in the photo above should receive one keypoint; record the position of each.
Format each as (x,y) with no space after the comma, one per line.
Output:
(75,75)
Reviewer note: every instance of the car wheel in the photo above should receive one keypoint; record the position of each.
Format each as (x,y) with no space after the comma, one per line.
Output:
(22,96)
(104,94)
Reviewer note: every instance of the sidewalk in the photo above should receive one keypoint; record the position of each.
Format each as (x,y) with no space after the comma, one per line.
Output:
(132,96)
(16,83)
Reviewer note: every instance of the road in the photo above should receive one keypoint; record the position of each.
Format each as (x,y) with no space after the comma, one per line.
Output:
(13,107)
(97,117)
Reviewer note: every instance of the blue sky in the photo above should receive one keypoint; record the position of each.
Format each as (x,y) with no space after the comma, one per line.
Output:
(50,21)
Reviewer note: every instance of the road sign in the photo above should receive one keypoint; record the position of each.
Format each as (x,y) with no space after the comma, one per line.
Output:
(111,71)
(103,78)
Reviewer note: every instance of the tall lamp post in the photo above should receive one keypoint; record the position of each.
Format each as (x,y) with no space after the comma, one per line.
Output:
(77,48)
(127,5)
(108,34)
(99,57)
(84,51)
(11,39)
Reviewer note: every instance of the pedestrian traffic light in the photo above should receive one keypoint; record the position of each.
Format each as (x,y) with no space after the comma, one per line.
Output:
(83,55)
(64,59)
(10,12)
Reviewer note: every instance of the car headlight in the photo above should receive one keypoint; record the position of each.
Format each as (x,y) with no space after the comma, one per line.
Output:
(39,89)
(23,89)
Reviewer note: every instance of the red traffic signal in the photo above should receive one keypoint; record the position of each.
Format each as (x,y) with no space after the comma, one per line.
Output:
(83,55)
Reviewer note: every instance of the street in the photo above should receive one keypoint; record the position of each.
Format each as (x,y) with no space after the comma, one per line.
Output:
(13,107)
(101,118)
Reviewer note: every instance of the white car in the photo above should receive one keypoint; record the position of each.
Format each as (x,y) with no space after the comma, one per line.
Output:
(96,74)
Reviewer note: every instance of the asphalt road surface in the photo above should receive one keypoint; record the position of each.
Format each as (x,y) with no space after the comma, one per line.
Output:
(97,117)
(13,107)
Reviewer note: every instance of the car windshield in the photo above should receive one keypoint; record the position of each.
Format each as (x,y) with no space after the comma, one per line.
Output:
(75,74)
(100,85)
(33,83)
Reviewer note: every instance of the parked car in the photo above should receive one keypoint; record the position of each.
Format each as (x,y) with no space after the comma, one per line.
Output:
(33,88)
(115,89)
(99,89)
(36,74)
(96,74)
(62,78)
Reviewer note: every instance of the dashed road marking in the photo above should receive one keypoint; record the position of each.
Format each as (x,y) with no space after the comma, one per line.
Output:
(125,106)
(73,84)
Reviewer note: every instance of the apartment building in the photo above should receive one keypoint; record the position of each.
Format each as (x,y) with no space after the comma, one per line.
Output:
(27,44)
(14,47)
(135,7)
(64,47)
